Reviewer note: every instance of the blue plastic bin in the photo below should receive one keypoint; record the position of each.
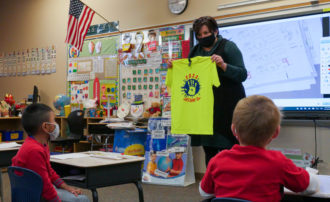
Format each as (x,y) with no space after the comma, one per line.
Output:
(12,135)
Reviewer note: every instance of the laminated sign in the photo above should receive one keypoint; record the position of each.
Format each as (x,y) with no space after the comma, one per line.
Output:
(168,157)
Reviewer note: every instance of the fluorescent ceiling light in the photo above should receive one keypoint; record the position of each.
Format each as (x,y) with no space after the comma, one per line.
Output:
(242,3)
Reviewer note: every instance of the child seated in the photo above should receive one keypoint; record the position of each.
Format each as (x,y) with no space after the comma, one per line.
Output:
(152,165)
(38,121)
(249,171)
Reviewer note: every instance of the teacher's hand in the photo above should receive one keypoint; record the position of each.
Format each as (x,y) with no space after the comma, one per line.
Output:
(169,63)
(219,62)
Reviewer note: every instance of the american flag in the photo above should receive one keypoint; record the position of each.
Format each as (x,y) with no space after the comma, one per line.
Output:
(80,18)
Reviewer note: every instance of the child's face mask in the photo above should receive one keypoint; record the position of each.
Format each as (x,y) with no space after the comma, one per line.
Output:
(55,133)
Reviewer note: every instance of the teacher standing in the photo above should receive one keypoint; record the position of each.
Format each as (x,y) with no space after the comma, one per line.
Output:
(231,72)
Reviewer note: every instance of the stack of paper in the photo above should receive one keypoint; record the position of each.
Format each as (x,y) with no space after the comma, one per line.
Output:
(109,155)
(112,120)
(121,125)
(75,177)
(9,145)
(69,156)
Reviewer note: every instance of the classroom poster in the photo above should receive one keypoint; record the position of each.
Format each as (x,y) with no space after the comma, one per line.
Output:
(108,90)
(130,142)
(172,38)
(100,47)
(168,157)
(79,92)
(171,42)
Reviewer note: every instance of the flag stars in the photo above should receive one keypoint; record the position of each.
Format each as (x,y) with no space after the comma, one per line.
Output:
(76,7)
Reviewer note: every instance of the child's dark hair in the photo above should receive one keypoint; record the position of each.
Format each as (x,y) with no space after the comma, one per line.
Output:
(33,116)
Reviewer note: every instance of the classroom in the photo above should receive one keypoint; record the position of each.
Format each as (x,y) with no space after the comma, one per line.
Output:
(155,100)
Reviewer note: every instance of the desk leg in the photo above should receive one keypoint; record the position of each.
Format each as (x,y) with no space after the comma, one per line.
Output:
(95,196)
(92,146)
(1,186)
(106,144)
(139,187)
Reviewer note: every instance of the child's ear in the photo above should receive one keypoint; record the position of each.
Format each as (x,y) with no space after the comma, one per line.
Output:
(233,129)
(277,132)
(44,127)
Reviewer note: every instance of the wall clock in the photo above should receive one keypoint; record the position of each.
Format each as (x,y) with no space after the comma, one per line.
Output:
(177,6)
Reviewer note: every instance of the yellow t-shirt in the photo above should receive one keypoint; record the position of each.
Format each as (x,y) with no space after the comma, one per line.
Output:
(192,95)
(151,167)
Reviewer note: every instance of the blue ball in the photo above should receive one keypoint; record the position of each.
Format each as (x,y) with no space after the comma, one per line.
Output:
(164,163)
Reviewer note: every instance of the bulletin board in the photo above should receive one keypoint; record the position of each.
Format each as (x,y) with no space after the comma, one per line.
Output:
(127,66)
(98,59)
(143,56)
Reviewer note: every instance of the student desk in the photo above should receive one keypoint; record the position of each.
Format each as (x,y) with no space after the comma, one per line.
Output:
(101,172)
(322,195)
(6,154)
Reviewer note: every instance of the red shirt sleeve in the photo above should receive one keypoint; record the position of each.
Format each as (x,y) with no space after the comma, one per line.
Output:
(180,164)
(54,177)
(294,178)
(177,164)
(207,183)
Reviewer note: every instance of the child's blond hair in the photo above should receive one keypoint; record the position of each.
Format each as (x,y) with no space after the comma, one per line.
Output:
(256,119)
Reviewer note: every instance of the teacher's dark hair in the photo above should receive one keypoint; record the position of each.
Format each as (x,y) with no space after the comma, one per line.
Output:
(205,20)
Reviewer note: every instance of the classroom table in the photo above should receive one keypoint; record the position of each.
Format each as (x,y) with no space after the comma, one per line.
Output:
(101,172)
(6,154)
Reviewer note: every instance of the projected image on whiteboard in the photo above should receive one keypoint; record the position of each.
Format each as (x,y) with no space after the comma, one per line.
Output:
(282,56)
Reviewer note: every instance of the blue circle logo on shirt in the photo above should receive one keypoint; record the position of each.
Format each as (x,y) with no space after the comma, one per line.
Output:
(191,87)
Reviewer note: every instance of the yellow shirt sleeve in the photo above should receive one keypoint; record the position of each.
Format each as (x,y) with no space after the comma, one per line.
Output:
(169,77)
(215,76)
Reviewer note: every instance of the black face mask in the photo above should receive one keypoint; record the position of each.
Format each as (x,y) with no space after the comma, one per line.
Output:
(206,41)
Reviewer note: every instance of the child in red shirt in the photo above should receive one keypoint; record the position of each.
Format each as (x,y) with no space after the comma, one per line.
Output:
(38,121)
(249,171)
(177,164)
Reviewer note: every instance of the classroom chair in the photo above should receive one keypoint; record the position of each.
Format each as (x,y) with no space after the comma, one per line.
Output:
(26,185)
(98,131)
(76,124)
(228,200)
